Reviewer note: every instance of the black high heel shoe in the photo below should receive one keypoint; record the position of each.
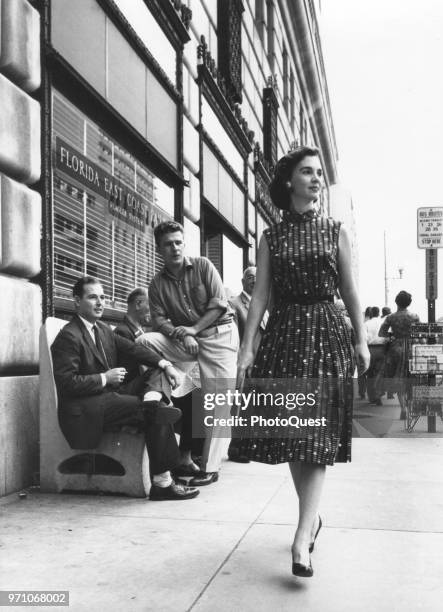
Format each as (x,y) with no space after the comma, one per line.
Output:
(303,571)
(312,544)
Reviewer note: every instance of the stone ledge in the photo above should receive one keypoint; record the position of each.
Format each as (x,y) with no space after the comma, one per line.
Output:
(19,133)
(19,431)
(20,43)
(20,314)
(20,214)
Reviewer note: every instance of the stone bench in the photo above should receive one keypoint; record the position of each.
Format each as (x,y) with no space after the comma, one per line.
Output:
(118,465)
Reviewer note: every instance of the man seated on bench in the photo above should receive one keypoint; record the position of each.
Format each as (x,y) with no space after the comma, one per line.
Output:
(133,326)
(93,396)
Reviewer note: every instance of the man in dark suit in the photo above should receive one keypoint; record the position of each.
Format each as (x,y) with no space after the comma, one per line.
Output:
(93,396)
(133,324)
(240,305)
(131,328)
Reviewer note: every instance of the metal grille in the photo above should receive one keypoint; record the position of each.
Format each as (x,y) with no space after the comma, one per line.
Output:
(229,45)
(270,107)
(214,251)
(89,236)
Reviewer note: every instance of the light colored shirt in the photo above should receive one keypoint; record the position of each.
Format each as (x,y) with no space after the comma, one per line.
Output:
(247,296)
(265,318)
(183,301)
(372,329)
(90,328)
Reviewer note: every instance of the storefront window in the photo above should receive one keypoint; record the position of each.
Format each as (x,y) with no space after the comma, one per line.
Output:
(150,33)
(221,138)
(222,191)
(106,204)
(232,266)
(261,226)
(97,49)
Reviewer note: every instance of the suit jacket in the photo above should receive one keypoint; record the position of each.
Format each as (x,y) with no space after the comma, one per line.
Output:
(240,305)
(82,399)
(128,330)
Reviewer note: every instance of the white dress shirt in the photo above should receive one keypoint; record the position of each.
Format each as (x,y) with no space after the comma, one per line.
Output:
(372,328)
(264,321)
(90,328)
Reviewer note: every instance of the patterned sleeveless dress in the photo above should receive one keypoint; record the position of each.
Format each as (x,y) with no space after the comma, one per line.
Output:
(306,339)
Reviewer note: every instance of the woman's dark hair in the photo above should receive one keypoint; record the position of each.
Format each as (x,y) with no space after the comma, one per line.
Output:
(278,189)
(368,312)
(375,311)
(403,299)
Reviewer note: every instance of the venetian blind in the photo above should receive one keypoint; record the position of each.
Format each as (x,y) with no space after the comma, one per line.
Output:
(106,205)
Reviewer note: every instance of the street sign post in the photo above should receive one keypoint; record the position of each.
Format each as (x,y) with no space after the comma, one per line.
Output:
(431,282)
(430,237)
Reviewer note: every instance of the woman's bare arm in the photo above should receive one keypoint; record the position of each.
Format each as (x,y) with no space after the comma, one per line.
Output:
(349,295)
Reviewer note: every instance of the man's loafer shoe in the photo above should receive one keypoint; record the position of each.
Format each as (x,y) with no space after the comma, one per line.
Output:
(174,491)
(161,414)
(203,479)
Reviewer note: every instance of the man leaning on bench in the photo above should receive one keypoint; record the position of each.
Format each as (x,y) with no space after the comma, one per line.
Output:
(93,396)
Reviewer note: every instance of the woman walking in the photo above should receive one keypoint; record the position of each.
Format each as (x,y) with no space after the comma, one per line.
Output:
(304,259)
(397,327)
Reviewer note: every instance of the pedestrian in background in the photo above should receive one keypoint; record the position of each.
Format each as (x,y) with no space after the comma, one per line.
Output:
(362,384)
(376,345)
(385,311)
(240,305)
(399,324)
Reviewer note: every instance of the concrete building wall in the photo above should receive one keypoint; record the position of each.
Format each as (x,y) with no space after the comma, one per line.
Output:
(20,219)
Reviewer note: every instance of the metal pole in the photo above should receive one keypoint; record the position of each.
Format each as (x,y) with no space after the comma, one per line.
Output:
(386,270)
(431,275)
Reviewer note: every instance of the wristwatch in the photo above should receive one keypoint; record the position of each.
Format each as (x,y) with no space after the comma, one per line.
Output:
(164,363)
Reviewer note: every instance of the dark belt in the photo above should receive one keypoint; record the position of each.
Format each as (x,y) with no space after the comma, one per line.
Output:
(307,299)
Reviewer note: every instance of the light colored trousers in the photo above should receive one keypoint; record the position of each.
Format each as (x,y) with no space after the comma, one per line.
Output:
(217,360)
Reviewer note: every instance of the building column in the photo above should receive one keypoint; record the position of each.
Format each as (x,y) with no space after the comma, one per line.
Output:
(20,221)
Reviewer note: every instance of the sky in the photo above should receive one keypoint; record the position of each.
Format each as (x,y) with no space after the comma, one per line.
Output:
(384,68)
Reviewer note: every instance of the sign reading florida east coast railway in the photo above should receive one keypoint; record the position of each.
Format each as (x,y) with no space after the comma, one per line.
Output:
(430,227)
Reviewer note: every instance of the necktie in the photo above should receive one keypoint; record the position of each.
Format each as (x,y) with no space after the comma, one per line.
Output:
(99,345)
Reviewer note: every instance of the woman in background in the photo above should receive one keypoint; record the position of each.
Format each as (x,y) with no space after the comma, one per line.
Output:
(399,324)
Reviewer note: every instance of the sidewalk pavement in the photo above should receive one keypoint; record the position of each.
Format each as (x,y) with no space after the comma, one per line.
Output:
(381,547)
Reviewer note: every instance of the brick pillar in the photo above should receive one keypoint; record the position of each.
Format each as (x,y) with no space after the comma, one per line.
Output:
(20,221)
